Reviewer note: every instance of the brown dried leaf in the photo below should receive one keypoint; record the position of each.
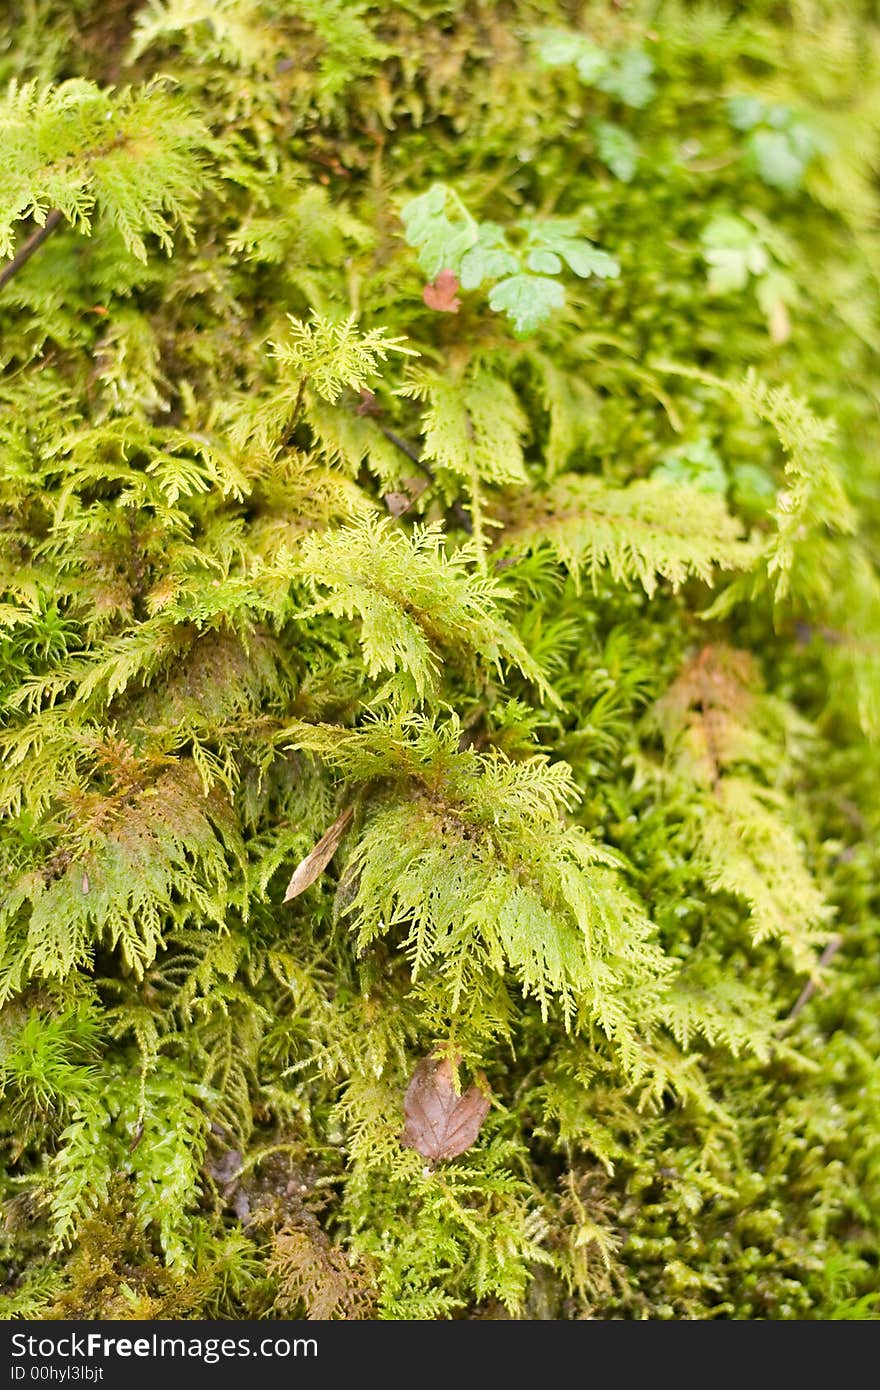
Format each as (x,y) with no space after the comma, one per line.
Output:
(400,502)
(397,502)
(441,294)
(316,861)
(439,1123)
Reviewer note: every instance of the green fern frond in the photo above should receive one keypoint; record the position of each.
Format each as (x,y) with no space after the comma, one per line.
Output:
(646,532)
(138,155)
(418,604)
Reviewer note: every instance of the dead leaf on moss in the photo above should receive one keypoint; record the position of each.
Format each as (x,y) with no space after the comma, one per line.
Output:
(440,1123)
(400,502)
(316,861)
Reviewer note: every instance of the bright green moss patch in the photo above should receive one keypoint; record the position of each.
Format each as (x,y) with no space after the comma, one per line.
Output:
(452,427)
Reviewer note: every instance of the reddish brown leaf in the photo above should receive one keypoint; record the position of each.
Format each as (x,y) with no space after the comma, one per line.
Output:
(441,294)
(439,1123)
(316,860)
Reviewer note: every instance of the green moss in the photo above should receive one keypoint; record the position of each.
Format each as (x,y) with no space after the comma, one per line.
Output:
(553,589)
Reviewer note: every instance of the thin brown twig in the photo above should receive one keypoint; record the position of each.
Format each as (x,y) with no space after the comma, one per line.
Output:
(27,248)
(413,454)
(810,987)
